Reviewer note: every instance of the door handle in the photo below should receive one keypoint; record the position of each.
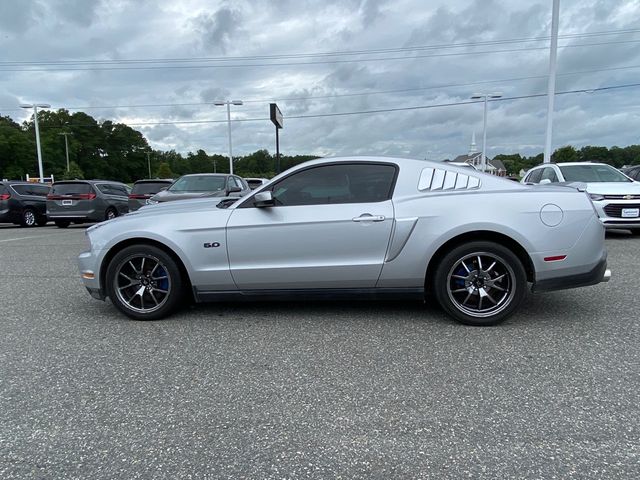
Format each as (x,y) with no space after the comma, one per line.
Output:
(367,217)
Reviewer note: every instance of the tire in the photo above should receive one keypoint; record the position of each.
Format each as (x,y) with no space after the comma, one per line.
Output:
(62,223)
(110,213)
(144,282)
(480,283)
(28,218)
(635,232)
(42,221)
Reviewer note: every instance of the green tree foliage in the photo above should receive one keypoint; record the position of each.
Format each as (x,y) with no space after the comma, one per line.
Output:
(565,154)
(108,150)
(74,173)
(164,171)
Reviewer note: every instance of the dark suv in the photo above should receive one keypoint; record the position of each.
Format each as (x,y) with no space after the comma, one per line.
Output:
(23,203)
(143,190)
(80,201)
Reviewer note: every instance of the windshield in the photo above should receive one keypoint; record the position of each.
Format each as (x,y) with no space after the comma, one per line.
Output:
(151,188)
(592,173)
(195,183)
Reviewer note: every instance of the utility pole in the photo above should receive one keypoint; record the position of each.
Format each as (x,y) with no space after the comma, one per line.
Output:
(66,146)
(551,93)
(149,162)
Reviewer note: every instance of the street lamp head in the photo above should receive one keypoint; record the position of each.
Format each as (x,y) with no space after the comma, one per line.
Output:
(219,103)
(31,105)
(495,95)
(236,102)
(477,96)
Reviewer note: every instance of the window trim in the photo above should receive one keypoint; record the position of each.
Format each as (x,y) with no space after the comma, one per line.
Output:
(249,203)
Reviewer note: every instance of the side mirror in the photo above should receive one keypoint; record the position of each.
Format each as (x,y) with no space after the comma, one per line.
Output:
(231,190)
(545,181)
(264,199)
(163,189)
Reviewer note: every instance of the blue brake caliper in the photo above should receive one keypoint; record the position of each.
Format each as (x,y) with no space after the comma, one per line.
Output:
(163,283)
(458,282)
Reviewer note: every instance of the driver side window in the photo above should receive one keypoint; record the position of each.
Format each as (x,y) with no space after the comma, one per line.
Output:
(335,184)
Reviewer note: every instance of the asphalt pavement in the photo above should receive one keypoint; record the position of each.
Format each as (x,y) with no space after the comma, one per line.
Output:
(312,390)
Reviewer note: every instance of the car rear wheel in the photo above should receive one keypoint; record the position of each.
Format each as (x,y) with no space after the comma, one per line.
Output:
(480,283)
(110,214)
(144,282)
(62,223)
(42,221)
(28,218)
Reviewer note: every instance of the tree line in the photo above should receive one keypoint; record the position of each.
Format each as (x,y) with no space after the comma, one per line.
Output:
(115,151)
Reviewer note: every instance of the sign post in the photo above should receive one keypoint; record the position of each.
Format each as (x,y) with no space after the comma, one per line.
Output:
(278,121)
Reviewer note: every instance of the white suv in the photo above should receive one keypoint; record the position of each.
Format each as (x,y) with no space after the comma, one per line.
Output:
(615,196)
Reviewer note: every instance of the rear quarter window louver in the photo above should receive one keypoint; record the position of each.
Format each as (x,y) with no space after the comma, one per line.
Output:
(435,179)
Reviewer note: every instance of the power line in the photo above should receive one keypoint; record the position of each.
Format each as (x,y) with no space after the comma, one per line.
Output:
(320,62)
(320,54)
(366,112)
(355,94)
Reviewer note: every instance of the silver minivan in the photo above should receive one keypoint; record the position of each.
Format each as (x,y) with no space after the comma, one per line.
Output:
(81,201)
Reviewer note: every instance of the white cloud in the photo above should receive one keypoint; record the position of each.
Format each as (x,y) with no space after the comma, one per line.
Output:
(35,30)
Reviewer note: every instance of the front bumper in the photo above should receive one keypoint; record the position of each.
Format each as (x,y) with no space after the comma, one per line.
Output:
(610,213)
(88,266)
(598,274)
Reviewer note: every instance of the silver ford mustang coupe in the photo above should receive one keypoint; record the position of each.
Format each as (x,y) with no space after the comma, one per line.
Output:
(366,227)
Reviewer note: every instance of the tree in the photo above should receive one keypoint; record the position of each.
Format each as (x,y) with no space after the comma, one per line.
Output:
(565,154)
(74,173)
(164,171)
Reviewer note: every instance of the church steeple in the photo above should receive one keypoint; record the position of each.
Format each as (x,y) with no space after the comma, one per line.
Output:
(472,147)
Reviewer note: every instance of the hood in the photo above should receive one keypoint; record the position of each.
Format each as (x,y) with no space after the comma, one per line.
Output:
(614,188)
(184,206)
(168,196)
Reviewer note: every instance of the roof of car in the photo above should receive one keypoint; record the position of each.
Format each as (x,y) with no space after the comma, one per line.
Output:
(154,180)
(89,181)
(564,164)
(207,175)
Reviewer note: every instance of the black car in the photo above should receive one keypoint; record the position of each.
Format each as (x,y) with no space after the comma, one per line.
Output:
(633,172)
(143,190)
(23,203)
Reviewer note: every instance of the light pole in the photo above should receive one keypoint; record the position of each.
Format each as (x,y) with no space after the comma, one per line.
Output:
(66,146)
(35,107)
(228,103)
(485,97)
(149,162)
(551,87)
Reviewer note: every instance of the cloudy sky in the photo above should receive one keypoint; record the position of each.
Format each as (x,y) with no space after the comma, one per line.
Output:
(159,64)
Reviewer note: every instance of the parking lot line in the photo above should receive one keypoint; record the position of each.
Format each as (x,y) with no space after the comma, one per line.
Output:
(33,236)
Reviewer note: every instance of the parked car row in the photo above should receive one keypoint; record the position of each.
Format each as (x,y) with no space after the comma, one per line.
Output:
(615,196)
(82,201)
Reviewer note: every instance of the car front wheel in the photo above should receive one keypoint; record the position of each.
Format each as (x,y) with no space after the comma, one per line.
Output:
(144,282)
(28,218)
(480,283)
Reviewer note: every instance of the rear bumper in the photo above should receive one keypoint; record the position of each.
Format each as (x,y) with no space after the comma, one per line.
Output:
(597,274)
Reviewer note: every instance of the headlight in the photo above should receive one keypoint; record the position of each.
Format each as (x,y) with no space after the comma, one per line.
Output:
(596,197)
(151,202)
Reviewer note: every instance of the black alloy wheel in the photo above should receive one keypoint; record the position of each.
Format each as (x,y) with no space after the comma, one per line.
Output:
(144,282)
(480,283)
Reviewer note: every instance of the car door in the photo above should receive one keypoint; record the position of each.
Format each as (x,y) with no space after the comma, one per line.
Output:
(120,197)
(329,228)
